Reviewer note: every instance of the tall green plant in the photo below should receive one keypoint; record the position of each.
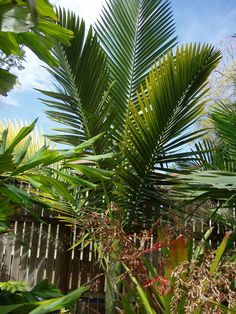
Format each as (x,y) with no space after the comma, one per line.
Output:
(122,81)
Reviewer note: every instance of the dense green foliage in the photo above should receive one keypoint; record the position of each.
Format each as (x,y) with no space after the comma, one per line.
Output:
(127,100)
(42,298)
(142,97)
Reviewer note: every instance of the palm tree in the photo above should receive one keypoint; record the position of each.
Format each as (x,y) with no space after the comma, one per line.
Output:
(124,80)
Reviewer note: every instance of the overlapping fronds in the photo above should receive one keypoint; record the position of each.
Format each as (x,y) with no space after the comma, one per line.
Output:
(212,156)
(44,177)
(158,127)
(82,82)
(14,126)
(220,153)
(224,121)
(142,98)
(134,34)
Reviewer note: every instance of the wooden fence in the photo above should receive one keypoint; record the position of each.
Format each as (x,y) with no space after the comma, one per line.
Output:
(37,250)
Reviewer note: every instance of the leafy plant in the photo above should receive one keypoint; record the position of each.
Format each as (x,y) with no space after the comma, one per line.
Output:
(24,175)
(142,97)
(32,24)
(42,298)
(184,267)
(124,81)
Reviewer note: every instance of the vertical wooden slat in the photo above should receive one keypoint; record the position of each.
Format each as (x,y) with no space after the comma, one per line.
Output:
(25,252)
(33,254)
(17,252)
(61,262)
(51,251)
(42,252)
(75,269)
(7,258)
(3,250)
(85,266)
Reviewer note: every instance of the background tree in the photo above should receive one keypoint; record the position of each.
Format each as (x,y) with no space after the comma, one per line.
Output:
(222,84)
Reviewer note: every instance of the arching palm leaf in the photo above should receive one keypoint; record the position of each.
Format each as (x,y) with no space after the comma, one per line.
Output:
(41,176)
(211,156)
(82,80)
(134,34)
(152,125)
(224,121)
(157,128)
(219,154)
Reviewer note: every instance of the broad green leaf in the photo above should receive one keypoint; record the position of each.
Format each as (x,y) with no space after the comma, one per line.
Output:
(5,309)
(20,136)
(92,172)
(15,194)
(98,157)
(55,31)
(6,163)
(8,43)
(219,252)
(14,18)
(5,209)
(43,157)
(143,297)
(45,9)
(199,250)
(47,183)
(3,141)
(74,180)
(39,44)
(22,153)
(45,290)
(62,302)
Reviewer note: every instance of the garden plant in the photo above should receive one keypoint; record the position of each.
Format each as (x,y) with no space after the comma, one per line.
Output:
(127,99)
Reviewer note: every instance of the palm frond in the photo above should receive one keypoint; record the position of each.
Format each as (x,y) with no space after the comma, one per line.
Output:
(224,121)
(81,101)
(211,156)
(36,138)
(218,154)
(134,34)
(157,128)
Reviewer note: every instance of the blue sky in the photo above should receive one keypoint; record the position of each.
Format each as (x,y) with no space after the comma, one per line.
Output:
(196,20)
(209,20)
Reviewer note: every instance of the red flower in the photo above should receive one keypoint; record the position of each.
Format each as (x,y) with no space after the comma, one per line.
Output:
(163,287)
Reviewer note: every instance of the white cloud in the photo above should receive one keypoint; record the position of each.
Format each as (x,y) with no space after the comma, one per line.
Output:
(88,9)
(8,102)
(33,75)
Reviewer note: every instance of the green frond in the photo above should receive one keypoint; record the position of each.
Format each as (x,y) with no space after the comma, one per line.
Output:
(212,156)
(224,121)
(218,154)
(81,101)
(36,138)
(134,34)
(158,126)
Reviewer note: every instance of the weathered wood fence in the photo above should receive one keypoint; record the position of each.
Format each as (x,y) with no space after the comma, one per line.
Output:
(37,250)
